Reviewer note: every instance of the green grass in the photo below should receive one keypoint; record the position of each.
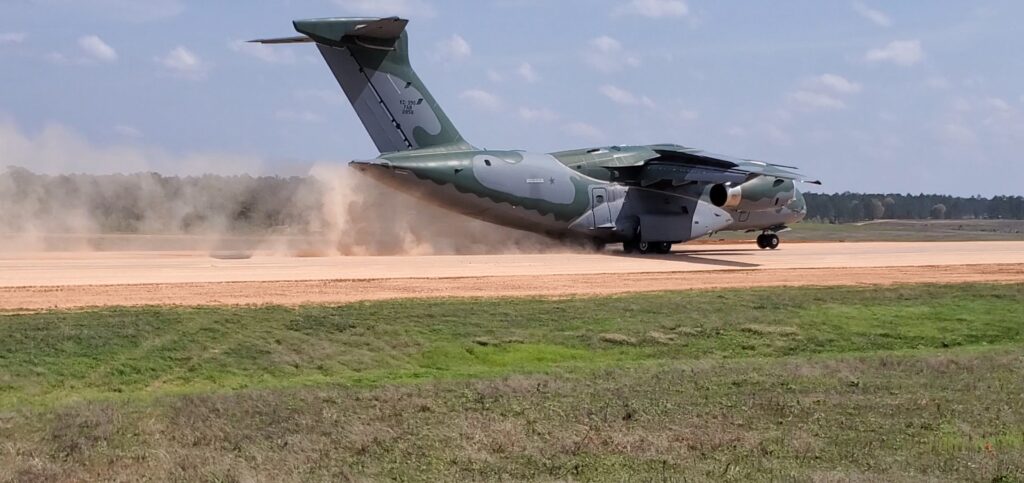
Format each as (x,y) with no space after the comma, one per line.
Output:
(899,230)
(901,383)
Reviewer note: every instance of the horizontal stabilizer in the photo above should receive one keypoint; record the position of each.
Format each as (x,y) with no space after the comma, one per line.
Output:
(302,39)
(335,31)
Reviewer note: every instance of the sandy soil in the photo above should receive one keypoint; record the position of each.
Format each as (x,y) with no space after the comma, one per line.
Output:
(74,279)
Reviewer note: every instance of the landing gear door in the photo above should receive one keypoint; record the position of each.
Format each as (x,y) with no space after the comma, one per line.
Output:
(601,208)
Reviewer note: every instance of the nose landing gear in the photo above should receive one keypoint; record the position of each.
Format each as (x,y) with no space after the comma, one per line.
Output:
(768,240)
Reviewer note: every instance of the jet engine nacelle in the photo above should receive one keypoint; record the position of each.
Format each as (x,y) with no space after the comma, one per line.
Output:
(724,196)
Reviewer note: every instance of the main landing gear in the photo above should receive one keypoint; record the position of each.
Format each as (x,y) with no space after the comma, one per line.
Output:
(644,248)
(768,240)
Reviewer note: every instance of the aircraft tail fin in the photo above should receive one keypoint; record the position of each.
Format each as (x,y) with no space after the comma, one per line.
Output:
(370,60)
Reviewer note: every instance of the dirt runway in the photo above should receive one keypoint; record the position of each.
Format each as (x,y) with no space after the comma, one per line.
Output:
(35,281)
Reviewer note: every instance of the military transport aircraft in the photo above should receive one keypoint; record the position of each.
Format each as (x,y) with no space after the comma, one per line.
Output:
(645,197)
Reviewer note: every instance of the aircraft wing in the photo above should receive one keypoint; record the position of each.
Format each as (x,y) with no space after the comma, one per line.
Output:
(678,165)
(693,158)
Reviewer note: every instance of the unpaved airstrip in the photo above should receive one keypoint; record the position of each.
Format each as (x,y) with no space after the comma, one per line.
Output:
(41,280)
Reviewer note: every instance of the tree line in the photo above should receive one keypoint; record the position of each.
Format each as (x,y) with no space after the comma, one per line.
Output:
(852,207)
(154,203)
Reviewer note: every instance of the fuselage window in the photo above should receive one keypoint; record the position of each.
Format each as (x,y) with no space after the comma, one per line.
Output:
(599,199)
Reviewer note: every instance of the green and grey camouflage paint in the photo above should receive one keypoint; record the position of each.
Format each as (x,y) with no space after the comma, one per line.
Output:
(655,193)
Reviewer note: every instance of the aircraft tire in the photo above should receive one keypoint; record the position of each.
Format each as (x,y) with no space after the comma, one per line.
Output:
(772,241)
(761,242)
(629,247)
(644,247)
(663,247)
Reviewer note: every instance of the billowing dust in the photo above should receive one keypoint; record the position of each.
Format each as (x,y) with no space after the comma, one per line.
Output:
(333,211)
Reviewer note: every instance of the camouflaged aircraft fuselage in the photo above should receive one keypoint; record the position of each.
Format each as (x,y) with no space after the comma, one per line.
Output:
(633,194)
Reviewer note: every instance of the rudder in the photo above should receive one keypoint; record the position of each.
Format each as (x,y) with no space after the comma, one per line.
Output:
(370,60)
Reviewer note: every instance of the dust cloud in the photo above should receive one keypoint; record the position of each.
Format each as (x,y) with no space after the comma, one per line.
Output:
(333,211)
(364,217)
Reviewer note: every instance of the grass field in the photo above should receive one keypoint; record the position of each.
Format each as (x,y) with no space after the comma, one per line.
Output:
(899,230)
(906,383)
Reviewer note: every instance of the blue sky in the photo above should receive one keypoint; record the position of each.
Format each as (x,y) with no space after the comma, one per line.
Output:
(914,96)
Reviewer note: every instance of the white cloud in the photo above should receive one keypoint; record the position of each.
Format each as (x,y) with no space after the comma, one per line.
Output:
(834,83)
(736,131)
(267,53)
(57,58)
(541,114)
(957,133)
(899,52)
(57,149)
(776,135)
(623,97)
(454,48)
(128,131)
(130,10)
(811,100)
(998,104)
(482,99)
(937,82)
(494,76)
(527,73)
(685,115)
(11,38)
(302,116)
(97,49)
(876,17)
(961,105)
(383,8)
(584,130)
(184,63)
(653,8)
(324,96)
(608,55)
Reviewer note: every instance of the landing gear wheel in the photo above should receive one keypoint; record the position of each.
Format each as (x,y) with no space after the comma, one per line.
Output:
(772,241)
(644,247)
(761,242)
(629,247)
(662,248)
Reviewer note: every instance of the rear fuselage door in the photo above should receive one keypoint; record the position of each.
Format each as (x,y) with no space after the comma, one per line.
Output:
(601,208)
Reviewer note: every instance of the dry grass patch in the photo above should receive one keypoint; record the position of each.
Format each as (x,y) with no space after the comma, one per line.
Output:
(770,330)
(620,339)
(661,337)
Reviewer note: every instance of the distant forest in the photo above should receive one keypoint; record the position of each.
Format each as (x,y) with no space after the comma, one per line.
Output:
(153,203)
(851,207)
